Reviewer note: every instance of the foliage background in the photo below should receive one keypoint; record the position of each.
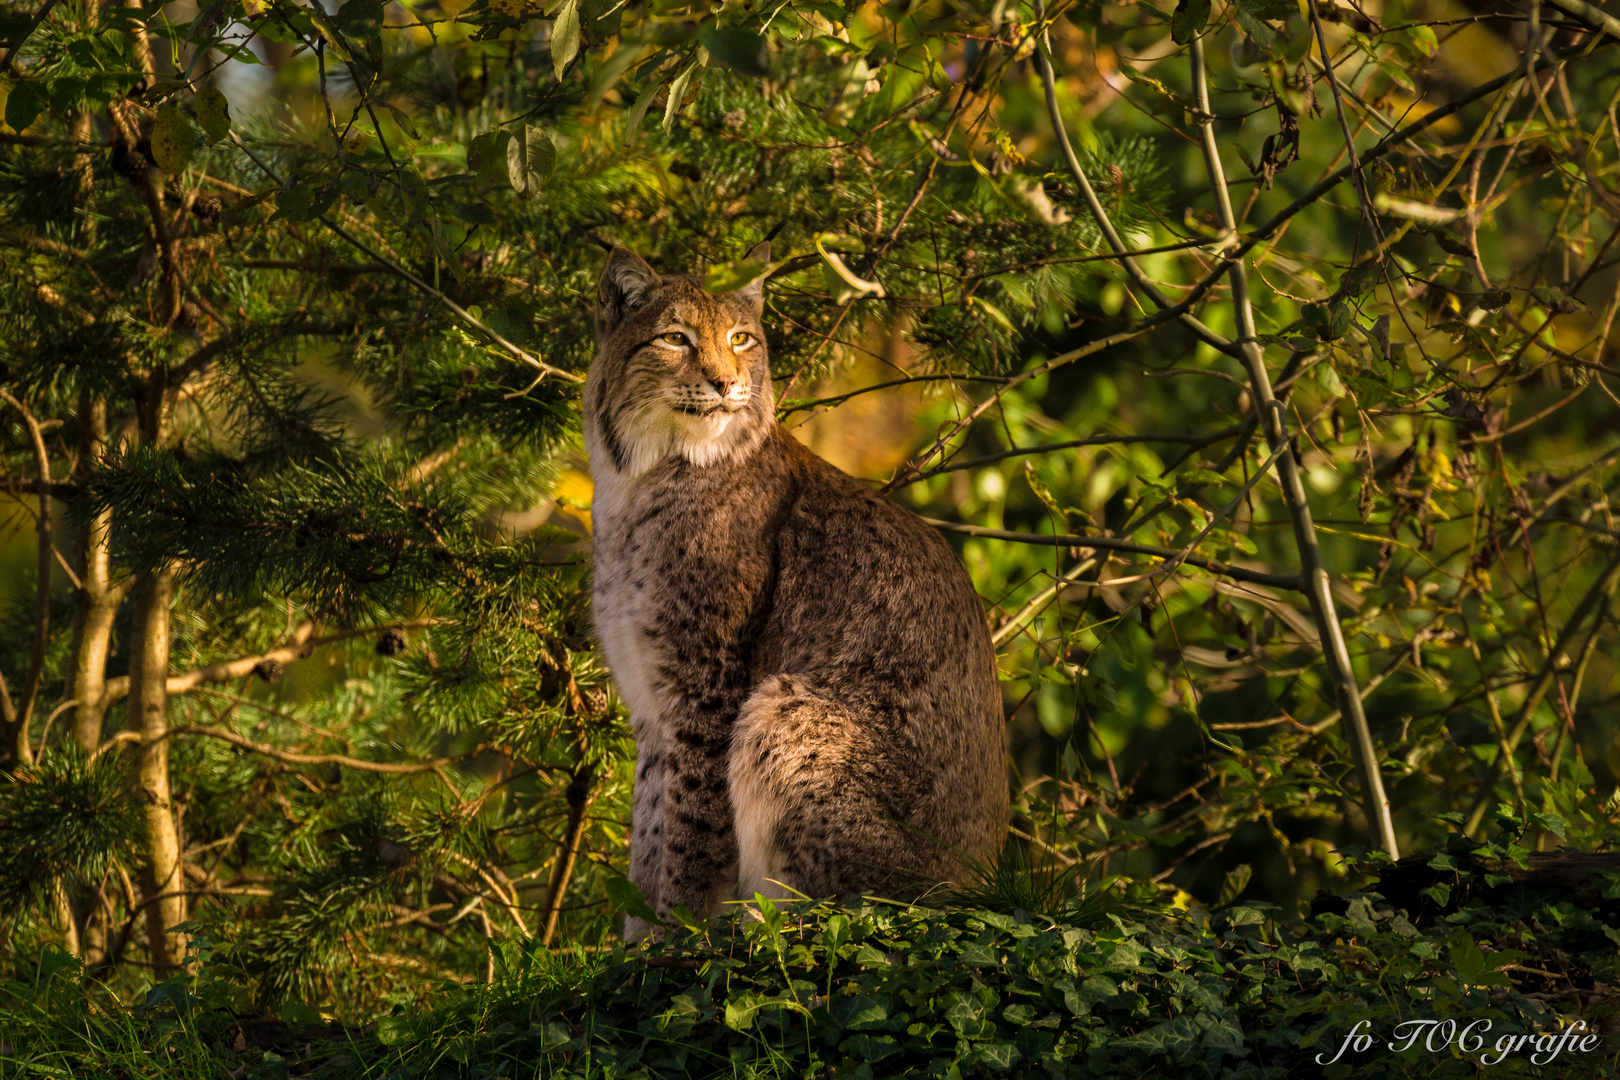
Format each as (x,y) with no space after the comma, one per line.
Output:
(315,370)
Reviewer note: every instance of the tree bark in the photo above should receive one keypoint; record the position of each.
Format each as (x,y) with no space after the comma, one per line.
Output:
(162,878)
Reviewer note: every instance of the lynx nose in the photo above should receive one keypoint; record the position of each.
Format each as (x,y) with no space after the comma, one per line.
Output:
(723,384)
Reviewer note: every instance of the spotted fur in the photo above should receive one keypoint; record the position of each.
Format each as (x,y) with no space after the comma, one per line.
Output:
(810,679)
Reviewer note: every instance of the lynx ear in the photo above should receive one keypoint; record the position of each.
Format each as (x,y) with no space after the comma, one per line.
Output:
(754,292)
(626,281)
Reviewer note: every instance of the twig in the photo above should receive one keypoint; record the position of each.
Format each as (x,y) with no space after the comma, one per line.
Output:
(1063,581)
(1109,543)
(1194,441)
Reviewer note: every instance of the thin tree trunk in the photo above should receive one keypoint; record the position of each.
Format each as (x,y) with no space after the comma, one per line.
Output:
(96,603)
(579,797)
(162,879)
(1274,422)
(65,919)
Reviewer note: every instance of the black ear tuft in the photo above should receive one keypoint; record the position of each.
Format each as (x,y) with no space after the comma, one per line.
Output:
(626,281)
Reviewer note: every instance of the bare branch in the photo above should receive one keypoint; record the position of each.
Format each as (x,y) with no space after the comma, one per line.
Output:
(1275,418)
(24,713)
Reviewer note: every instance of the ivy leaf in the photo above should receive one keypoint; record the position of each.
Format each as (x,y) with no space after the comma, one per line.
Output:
(737,49)
(174,140)
(870,1047)
(565,37)
(1172,1037)
(1237,879)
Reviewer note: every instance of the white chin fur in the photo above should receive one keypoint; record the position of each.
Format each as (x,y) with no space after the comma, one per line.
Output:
(702,440)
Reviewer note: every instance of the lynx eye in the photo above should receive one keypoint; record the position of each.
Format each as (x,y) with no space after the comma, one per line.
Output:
(741,338)
(678,340)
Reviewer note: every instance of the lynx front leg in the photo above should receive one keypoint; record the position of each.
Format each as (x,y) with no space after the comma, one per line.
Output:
(700,847)
(647,823)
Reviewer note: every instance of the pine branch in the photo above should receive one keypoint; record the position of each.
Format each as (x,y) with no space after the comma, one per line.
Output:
(344,760)
(300,645)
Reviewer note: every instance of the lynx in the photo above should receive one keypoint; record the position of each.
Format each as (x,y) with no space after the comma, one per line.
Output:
(809,675)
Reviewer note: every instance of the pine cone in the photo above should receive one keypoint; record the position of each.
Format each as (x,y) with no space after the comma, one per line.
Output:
(392,643)
(269,670)
(207,208)
(132,163)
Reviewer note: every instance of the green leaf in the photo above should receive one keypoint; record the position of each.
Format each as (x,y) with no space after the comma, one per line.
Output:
(677,92)
(1173,1037)
(213,113)
(737,49)
(639,110)
(1189,20)
(1607,883)
(489,161)
(174,140)
(537,158)
(737,274)
(870,1048)
(741,1010)
(998,1055)
(601,18)
(565,38)
(23,106)
(393,1029)
(1420,42)
(1042,492)
(1233,884)
(860,1013)
(625,895)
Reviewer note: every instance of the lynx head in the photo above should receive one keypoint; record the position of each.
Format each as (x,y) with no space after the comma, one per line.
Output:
(679,371)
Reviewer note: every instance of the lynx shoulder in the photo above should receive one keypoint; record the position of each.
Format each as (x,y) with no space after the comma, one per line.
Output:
(810,679)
